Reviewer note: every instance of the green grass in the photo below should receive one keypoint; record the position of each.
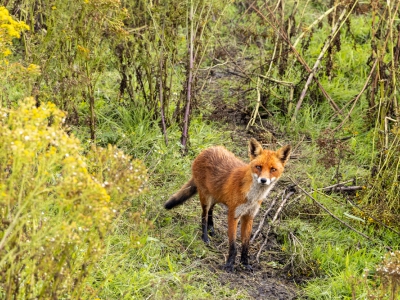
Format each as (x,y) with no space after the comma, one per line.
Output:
(150,252)
(162,259)
(163,253)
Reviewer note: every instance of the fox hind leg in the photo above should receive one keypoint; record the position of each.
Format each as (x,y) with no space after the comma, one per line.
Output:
(204,218)
(210,221)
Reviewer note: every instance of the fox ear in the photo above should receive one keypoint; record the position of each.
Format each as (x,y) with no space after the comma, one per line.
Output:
(284,153)
(255,148)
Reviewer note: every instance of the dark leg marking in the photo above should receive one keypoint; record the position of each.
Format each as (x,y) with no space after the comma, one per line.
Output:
(204,225)
(210,222)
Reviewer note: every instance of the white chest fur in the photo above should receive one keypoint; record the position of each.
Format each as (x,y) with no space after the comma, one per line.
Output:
(256,193)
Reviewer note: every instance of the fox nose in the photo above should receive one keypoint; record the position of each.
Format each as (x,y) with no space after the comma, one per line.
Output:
(263,180)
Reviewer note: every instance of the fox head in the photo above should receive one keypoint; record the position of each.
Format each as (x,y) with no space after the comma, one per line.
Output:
(266,165)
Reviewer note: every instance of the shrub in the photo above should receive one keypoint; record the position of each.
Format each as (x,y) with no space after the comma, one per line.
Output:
(55,205)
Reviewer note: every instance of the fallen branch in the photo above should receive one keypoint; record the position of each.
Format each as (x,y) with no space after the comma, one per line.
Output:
(335,217)
(335,185)
(278,211)
(343,188)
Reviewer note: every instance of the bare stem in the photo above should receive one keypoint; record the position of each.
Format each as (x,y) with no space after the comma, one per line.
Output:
(185,129)
(278,211)
(314,70)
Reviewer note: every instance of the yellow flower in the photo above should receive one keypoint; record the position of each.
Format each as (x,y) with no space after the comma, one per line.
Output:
(33,69)
(6,52)
(9,29)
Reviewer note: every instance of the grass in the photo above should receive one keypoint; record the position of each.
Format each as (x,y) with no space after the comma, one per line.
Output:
(341,264)
(163,254)
(165,260)
(150,252)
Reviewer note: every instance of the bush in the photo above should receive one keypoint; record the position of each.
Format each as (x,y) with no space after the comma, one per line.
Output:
(56,205)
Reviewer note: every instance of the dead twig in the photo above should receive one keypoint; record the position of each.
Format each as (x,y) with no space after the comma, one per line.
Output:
(343,188)
(336,185)
(261,224)
(278,211)
(387,119)
(255,113)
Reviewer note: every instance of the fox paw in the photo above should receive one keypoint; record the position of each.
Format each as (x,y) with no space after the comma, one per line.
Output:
(206,240)
(248,268)
(229,268)
(211,231)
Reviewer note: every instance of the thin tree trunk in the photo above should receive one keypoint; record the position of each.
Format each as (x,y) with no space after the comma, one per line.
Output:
(189,78)
(161,89)
(92,118)
(91,105)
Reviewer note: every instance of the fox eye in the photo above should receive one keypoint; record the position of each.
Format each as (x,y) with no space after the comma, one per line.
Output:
(273,170)
(258,168)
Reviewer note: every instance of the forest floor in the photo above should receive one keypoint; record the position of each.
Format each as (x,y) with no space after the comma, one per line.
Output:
(271,277)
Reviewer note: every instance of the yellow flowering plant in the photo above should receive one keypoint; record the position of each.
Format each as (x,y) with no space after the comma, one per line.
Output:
(12,73)
(56,204)
(9,29)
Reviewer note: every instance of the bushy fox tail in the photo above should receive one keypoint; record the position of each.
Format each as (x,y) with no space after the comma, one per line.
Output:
(186,191)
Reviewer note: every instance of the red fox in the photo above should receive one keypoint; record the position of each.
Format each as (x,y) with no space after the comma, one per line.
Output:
(220,177)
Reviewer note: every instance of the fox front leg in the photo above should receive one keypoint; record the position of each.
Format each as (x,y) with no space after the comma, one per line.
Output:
(246,227)
(232,230)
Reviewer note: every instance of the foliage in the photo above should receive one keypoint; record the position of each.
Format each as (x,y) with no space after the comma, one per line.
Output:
(71,50)
(55,204)
(9,29)
(384,182)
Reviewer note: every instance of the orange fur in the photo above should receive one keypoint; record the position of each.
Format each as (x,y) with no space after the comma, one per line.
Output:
(220,177)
